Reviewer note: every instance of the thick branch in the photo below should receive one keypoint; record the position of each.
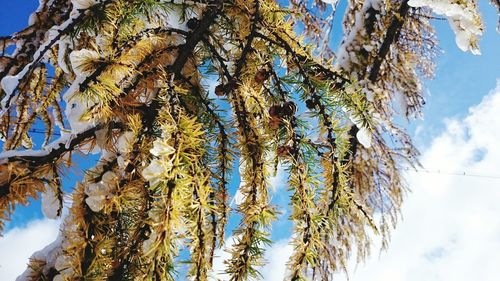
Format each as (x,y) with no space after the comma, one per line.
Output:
(36,158)
(391,36)
(193,40)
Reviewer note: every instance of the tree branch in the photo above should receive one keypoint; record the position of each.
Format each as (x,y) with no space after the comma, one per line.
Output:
(391,36)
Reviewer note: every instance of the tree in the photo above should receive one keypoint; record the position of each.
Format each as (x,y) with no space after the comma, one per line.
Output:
(129,81)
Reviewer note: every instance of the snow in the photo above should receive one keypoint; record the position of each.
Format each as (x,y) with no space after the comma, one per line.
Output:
(83,4)
(60,263)
(61,55)
(125,142)
(463,19)
(99,193)
(148,244)
(154,172)
(370,91)
(107,155)
(124,145)
(96,202)
(349,48)
(161,148)
(364,137)
(80,58)
(174,18)
(33,17)
(65,140)
(76,107)
(331,2)
(122,162)
(63,265)
(160,167)
(9,84)
(400,102)
(51,206)
(109,178)
(238,198)
(37,153)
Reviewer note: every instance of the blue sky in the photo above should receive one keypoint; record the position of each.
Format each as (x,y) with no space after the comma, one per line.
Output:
(444,215)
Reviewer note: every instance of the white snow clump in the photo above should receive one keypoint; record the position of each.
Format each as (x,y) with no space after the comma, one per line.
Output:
(159,168)
(51,206)
(83,4)
(101,191)
(463,19)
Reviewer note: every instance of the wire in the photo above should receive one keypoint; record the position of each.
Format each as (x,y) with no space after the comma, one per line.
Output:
(463,174)
(39,131)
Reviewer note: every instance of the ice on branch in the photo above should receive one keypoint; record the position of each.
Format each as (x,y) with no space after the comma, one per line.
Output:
(349,49)
(124,145)
(148,244)
(76,107)
(63,266)
(162,148)
(83,4)
(99,193)
(51,202)
(83,61)
(159,168)
(331,2)
(364,137)
(9,84)
(61,55)
(463,18)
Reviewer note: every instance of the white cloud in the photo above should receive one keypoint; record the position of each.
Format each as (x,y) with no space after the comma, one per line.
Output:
(276,257)
(18,244)
(451,223)
(451,226)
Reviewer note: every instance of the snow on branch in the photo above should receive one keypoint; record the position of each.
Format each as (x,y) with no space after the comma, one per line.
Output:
(463,17)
